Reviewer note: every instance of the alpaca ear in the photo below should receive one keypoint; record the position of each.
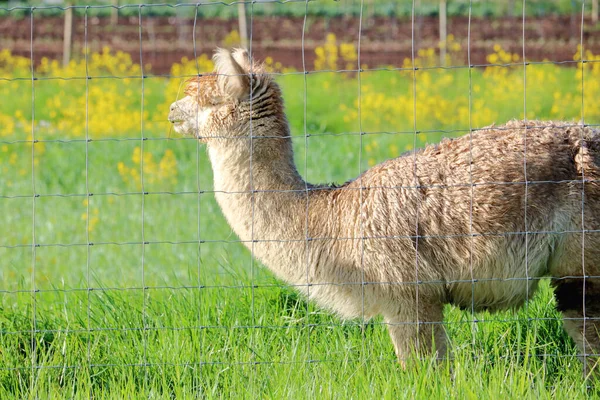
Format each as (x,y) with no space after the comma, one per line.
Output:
(232,78)
(241,56)
(255,72)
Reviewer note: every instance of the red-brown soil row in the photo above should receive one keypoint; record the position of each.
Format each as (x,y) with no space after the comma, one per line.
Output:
(383,41)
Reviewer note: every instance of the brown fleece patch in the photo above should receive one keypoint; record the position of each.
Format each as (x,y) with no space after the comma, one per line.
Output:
(203,88)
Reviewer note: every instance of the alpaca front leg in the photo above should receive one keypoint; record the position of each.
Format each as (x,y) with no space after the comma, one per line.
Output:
(580,307)
(418,333)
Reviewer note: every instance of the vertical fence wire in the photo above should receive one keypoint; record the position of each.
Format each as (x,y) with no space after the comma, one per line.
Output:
(256,195)
(199,213)
(307,235)
(361,204)
(253,193)
(34,328)
(525,175)
(88,197)
(416,322)
(583,230)
(474,320)
(145,331)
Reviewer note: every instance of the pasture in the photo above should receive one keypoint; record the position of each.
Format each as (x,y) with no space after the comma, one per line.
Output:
(121,279)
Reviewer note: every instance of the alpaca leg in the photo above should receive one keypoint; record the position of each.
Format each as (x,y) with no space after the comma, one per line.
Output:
(417,332)
(580,306)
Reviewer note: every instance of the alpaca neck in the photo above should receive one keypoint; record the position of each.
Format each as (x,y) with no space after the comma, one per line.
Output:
(263,198)
(243,172)
(267,204)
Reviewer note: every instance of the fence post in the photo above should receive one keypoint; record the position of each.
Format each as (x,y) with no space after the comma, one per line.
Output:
(243,23)
(443,32)
(68,35)
(595,11)
(511,8)
(114,13)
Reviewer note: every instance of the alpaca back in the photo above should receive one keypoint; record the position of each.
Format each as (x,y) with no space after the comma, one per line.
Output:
(493,207)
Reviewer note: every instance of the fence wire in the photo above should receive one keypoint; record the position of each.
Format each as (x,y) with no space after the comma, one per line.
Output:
(211,273)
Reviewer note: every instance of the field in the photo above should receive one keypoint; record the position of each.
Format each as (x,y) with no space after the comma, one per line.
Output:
(121,279)
(161,41)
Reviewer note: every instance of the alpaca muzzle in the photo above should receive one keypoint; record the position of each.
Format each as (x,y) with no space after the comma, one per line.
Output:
(175,114)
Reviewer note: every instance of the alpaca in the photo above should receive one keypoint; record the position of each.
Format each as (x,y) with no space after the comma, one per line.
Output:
(446,224)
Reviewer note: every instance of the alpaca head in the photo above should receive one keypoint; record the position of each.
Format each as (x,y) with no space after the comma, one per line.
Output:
(237,101)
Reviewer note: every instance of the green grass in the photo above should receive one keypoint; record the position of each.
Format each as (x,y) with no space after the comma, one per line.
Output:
(228,9)
(160,300)
(222,341)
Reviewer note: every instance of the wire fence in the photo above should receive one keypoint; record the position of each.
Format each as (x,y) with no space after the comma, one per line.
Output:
(118,265)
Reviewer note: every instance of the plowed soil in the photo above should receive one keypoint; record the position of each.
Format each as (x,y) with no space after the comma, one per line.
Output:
(160,41)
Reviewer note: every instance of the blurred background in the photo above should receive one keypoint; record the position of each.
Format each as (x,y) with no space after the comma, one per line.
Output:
(120,278)
(386,31)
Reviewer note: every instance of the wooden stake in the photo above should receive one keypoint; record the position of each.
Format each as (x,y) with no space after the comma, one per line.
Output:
(443,32)
(243,23)
(114,13)
(68,35)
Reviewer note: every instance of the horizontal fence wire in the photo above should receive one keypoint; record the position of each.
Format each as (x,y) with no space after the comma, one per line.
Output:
(246,286)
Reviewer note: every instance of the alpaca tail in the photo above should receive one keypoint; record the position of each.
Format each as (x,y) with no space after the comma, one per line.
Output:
(587,154)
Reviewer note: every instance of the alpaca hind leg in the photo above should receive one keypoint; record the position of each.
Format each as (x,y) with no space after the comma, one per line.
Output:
(421,333)
(579,302)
